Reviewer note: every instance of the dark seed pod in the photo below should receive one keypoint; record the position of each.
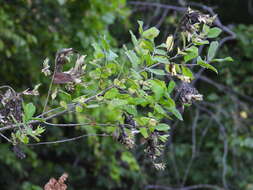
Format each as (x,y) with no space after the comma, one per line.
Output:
(129,121)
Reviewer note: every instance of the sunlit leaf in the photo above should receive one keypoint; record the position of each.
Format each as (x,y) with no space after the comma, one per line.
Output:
(162,127)
(214,32)
(151,33)
(144,132)
(204,64)
(192,53)
(212,50)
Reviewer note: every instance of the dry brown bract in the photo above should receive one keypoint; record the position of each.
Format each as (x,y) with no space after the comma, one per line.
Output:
(53,184)
(74,74)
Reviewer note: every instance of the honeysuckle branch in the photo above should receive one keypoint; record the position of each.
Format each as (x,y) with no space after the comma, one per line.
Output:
(70,107)
(79,124)
(7,86)
(68,140)
(6,138)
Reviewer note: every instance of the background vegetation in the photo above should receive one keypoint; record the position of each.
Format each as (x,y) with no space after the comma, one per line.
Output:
(211,148)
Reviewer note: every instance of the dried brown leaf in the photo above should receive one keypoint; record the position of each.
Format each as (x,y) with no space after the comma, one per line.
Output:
(53,184)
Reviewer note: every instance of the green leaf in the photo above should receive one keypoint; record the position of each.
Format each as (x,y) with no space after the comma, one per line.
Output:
(163,138)
(176,113)
(140,26)
(63,104)
(110,55)
(206,29)
(146,45)
(160,52)
(204,64)
(169,43)
(118,102)
(136,75)
(160,110)
(171,86)
(212,50)
(131,109)
(151,33)
(111,93)
(162,127)
(134,59)
(39,130)
(134,39)
(29,111)
(161,59)
(214,32)
(24,139)
(163,45)
(169,101)
(227,59)
(79,109)
(192,53)
(157,71)
(144,132)
(105,43)
(157,88)
(200,42)
(98,53)
(142,121)
(187,72)
(64,96)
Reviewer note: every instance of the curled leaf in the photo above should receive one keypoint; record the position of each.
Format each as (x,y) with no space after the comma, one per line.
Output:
(184,78)
(54,94)
(46,68)
(33,92)
(169,43)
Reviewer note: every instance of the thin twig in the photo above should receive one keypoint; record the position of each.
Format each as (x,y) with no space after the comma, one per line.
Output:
(70,108)
(78,124)
(68,140)
(225,88)
(194,148)
(225,145)
(161,20)
(6,138)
